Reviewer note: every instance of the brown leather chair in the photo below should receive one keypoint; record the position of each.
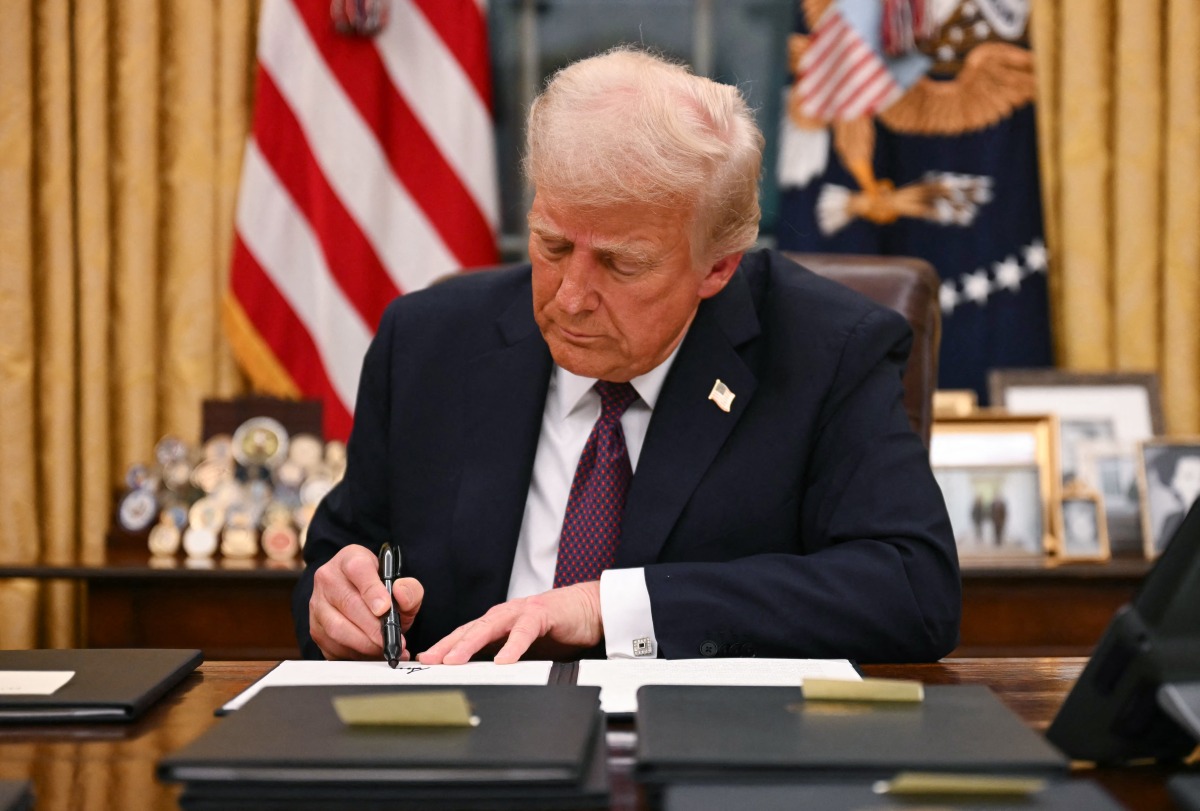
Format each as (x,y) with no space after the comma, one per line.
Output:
(910,287)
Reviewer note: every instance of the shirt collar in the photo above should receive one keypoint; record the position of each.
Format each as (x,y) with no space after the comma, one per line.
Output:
(571,388)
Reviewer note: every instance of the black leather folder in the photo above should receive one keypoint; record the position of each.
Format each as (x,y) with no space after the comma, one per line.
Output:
(110,684)
(1066,795)
(731,734)
(535,747)
(15,795)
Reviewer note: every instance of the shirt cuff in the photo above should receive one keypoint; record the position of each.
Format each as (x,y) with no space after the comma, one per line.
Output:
(625,611)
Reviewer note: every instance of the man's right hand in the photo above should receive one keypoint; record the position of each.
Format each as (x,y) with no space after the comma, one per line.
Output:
(349,598)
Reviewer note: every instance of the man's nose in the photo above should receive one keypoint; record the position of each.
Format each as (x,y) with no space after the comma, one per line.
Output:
(576,293)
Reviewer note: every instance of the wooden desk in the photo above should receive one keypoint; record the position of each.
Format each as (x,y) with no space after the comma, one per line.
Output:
(112,767)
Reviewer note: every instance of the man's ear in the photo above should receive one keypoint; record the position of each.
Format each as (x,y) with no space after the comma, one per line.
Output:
(719,274)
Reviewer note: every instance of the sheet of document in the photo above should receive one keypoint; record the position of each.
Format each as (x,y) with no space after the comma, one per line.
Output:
(297,673)
(619,679)
(33,682)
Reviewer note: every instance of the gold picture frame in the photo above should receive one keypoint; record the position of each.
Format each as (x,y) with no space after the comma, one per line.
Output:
(1000,479)
(1084,526)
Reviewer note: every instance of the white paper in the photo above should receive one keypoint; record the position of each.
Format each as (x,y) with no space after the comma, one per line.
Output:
(33,682)
(619,679)
(300,673)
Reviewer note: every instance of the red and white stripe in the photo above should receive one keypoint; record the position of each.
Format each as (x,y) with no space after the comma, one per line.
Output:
(841,76)
(370,172)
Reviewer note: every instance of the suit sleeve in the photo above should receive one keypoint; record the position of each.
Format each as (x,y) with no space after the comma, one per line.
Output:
(356,509)
(875,577)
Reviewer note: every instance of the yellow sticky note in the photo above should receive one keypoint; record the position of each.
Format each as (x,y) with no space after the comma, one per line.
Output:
(865,690)
(425,708)
(928,784)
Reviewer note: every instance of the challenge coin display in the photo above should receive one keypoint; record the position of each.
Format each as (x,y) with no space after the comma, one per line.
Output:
(240,496)
(260,442)
(164,537)
(138,510)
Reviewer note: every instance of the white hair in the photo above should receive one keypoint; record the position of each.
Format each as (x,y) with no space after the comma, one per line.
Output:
(630,127)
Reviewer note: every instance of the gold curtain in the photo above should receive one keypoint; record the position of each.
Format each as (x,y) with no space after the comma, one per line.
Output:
(1119,126)
(122,124)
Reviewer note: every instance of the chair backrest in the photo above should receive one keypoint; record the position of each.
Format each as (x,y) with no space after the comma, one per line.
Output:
(910,287)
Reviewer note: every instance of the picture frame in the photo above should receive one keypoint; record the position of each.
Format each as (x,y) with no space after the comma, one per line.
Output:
(954,403)
(1109,469)
(1084,526)
(1000,480)
(1092,407)
(1169,482)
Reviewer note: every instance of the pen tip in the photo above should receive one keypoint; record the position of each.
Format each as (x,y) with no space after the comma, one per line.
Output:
(392,663)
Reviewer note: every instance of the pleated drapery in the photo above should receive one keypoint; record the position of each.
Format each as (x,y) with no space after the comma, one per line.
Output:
(122,124)
(1119,129)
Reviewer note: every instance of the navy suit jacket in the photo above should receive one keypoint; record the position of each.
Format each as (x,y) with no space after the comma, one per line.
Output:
(805,522)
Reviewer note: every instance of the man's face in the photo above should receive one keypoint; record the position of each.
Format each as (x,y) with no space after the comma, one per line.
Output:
(615,290)
(1186,481)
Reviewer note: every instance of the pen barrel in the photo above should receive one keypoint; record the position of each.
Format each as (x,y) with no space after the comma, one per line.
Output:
(391,633)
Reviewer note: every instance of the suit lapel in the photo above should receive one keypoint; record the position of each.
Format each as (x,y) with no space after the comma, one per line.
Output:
(687,429)
(505,392)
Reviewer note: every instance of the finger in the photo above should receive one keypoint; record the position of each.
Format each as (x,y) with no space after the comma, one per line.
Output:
(409,596)
(491,627)
(527,629)
(333,591)
(361,569)
(338,638)
(436,651)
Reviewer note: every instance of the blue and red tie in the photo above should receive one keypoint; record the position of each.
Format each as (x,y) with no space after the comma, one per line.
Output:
(592,526)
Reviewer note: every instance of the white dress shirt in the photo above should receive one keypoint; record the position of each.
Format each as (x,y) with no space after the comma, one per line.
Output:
(572,408)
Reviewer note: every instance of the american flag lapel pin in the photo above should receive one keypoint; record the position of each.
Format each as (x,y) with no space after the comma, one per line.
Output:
(721,395)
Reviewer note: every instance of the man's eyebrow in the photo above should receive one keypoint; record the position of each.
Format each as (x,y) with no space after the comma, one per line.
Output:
(542,228)
(627,251)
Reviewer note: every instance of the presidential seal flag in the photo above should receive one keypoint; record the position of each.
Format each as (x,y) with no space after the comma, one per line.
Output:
(910,131)
(369,172)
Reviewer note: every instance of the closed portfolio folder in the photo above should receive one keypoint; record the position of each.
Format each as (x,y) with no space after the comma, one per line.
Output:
(1067,795)
(286,747)
(723,733)
(107,684)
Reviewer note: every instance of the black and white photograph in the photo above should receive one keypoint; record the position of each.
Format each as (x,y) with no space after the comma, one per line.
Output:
(1084,533)
(1169,477)
(1124,408)
(1074,432)
(1109,468)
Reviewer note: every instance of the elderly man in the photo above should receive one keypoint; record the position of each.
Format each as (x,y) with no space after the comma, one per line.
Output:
(648,441)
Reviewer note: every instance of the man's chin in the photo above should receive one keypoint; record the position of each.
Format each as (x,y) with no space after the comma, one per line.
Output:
(579,360)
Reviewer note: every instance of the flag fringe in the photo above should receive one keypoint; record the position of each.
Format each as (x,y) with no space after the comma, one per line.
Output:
(267,375)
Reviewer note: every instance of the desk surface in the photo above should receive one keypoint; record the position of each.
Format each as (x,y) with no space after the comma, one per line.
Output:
(112,767)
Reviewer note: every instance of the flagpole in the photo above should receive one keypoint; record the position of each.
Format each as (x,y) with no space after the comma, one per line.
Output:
(702,37)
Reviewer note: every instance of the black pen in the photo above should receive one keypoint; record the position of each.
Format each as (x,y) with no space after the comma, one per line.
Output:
(389,572)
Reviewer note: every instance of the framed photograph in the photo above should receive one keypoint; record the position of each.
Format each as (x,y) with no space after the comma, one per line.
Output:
(1169,479)
(1109,468)
(999,477)
(1120,408)
(1084,529)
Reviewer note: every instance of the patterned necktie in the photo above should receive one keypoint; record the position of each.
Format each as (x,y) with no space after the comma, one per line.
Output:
(588,543)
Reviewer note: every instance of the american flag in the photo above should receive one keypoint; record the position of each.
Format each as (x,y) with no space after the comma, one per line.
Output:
(841,75)
(370,172)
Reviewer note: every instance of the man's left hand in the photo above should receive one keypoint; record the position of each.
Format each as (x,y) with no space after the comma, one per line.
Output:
(567,617)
